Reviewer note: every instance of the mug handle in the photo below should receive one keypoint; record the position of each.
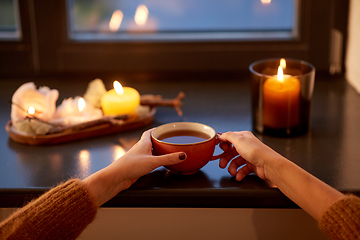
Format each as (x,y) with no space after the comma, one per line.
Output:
(224,153)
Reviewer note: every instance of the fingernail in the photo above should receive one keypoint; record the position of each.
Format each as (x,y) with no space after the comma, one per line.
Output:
(219,133)
(182,156)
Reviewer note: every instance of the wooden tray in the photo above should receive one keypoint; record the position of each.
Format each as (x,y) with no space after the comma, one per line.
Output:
(87,131)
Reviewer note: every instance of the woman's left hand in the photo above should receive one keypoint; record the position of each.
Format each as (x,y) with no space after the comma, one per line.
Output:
(121,174)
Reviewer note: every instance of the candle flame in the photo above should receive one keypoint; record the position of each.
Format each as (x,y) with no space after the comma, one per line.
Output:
(280,74)
(116,20)
(31,110)
(283,63)
(118,88)
(81,104)
(141,15)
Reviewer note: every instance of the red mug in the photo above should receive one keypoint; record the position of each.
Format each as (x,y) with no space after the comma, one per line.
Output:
(197,140)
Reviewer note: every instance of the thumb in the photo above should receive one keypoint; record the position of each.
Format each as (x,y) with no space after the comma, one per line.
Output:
(171,158)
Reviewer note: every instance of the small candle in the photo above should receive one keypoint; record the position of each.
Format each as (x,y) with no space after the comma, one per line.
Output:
(120,100)
(31,110)
(80,115)
(81,105)
(75,111)
(281,101)
(42,100)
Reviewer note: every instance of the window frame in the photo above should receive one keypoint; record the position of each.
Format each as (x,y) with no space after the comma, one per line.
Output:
(17,56)
(46,49)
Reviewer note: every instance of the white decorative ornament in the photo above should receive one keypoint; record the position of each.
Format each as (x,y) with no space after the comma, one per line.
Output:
(43,100)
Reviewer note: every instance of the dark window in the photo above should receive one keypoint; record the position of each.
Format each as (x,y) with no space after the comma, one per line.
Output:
(9,21)
(175,20)
(74,36)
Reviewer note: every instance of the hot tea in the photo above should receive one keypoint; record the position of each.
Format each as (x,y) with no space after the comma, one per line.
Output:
(183,137)
(196,140)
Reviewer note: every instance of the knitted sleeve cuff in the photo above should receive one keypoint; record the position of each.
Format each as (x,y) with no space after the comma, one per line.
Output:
(61,213)
(342,219)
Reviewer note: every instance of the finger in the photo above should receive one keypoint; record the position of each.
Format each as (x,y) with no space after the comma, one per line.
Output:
(228,157)
(243,172)
(145,139)
(170,159)
(229,137)
(235,164)
(223,162)
(235,137)
(224,146)
(146,135)
(231,154)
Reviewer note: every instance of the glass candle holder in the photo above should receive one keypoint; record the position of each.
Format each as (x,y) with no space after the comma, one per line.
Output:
(281,96)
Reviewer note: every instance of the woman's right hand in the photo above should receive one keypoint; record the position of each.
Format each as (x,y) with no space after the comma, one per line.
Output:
(247,155)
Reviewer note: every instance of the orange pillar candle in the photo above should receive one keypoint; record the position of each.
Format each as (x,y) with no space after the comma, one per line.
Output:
(120,101)
(281,101)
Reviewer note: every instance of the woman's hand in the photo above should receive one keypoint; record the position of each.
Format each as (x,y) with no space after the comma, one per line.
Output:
(139,160)
(247,155)
(121,174)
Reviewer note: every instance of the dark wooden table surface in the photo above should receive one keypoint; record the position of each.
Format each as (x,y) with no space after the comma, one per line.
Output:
(330,150)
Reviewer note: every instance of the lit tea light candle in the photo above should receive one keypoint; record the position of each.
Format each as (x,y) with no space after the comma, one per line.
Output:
(281,101)
(84,113)
(120,100)
(32,127)
(81,104)
(27,96)
(31,111)
(75,111)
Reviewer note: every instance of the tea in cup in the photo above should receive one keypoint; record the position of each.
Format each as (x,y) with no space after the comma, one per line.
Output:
(197,140)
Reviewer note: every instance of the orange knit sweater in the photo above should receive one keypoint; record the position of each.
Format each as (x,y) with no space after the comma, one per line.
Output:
(342,219)
(65,211)
(61,213)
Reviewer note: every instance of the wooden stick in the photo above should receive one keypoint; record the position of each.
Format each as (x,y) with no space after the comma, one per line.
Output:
(104,120)
(157,100)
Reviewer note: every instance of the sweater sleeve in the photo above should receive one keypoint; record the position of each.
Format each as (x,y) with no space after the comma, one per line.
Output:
(61,213)
(342,219)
